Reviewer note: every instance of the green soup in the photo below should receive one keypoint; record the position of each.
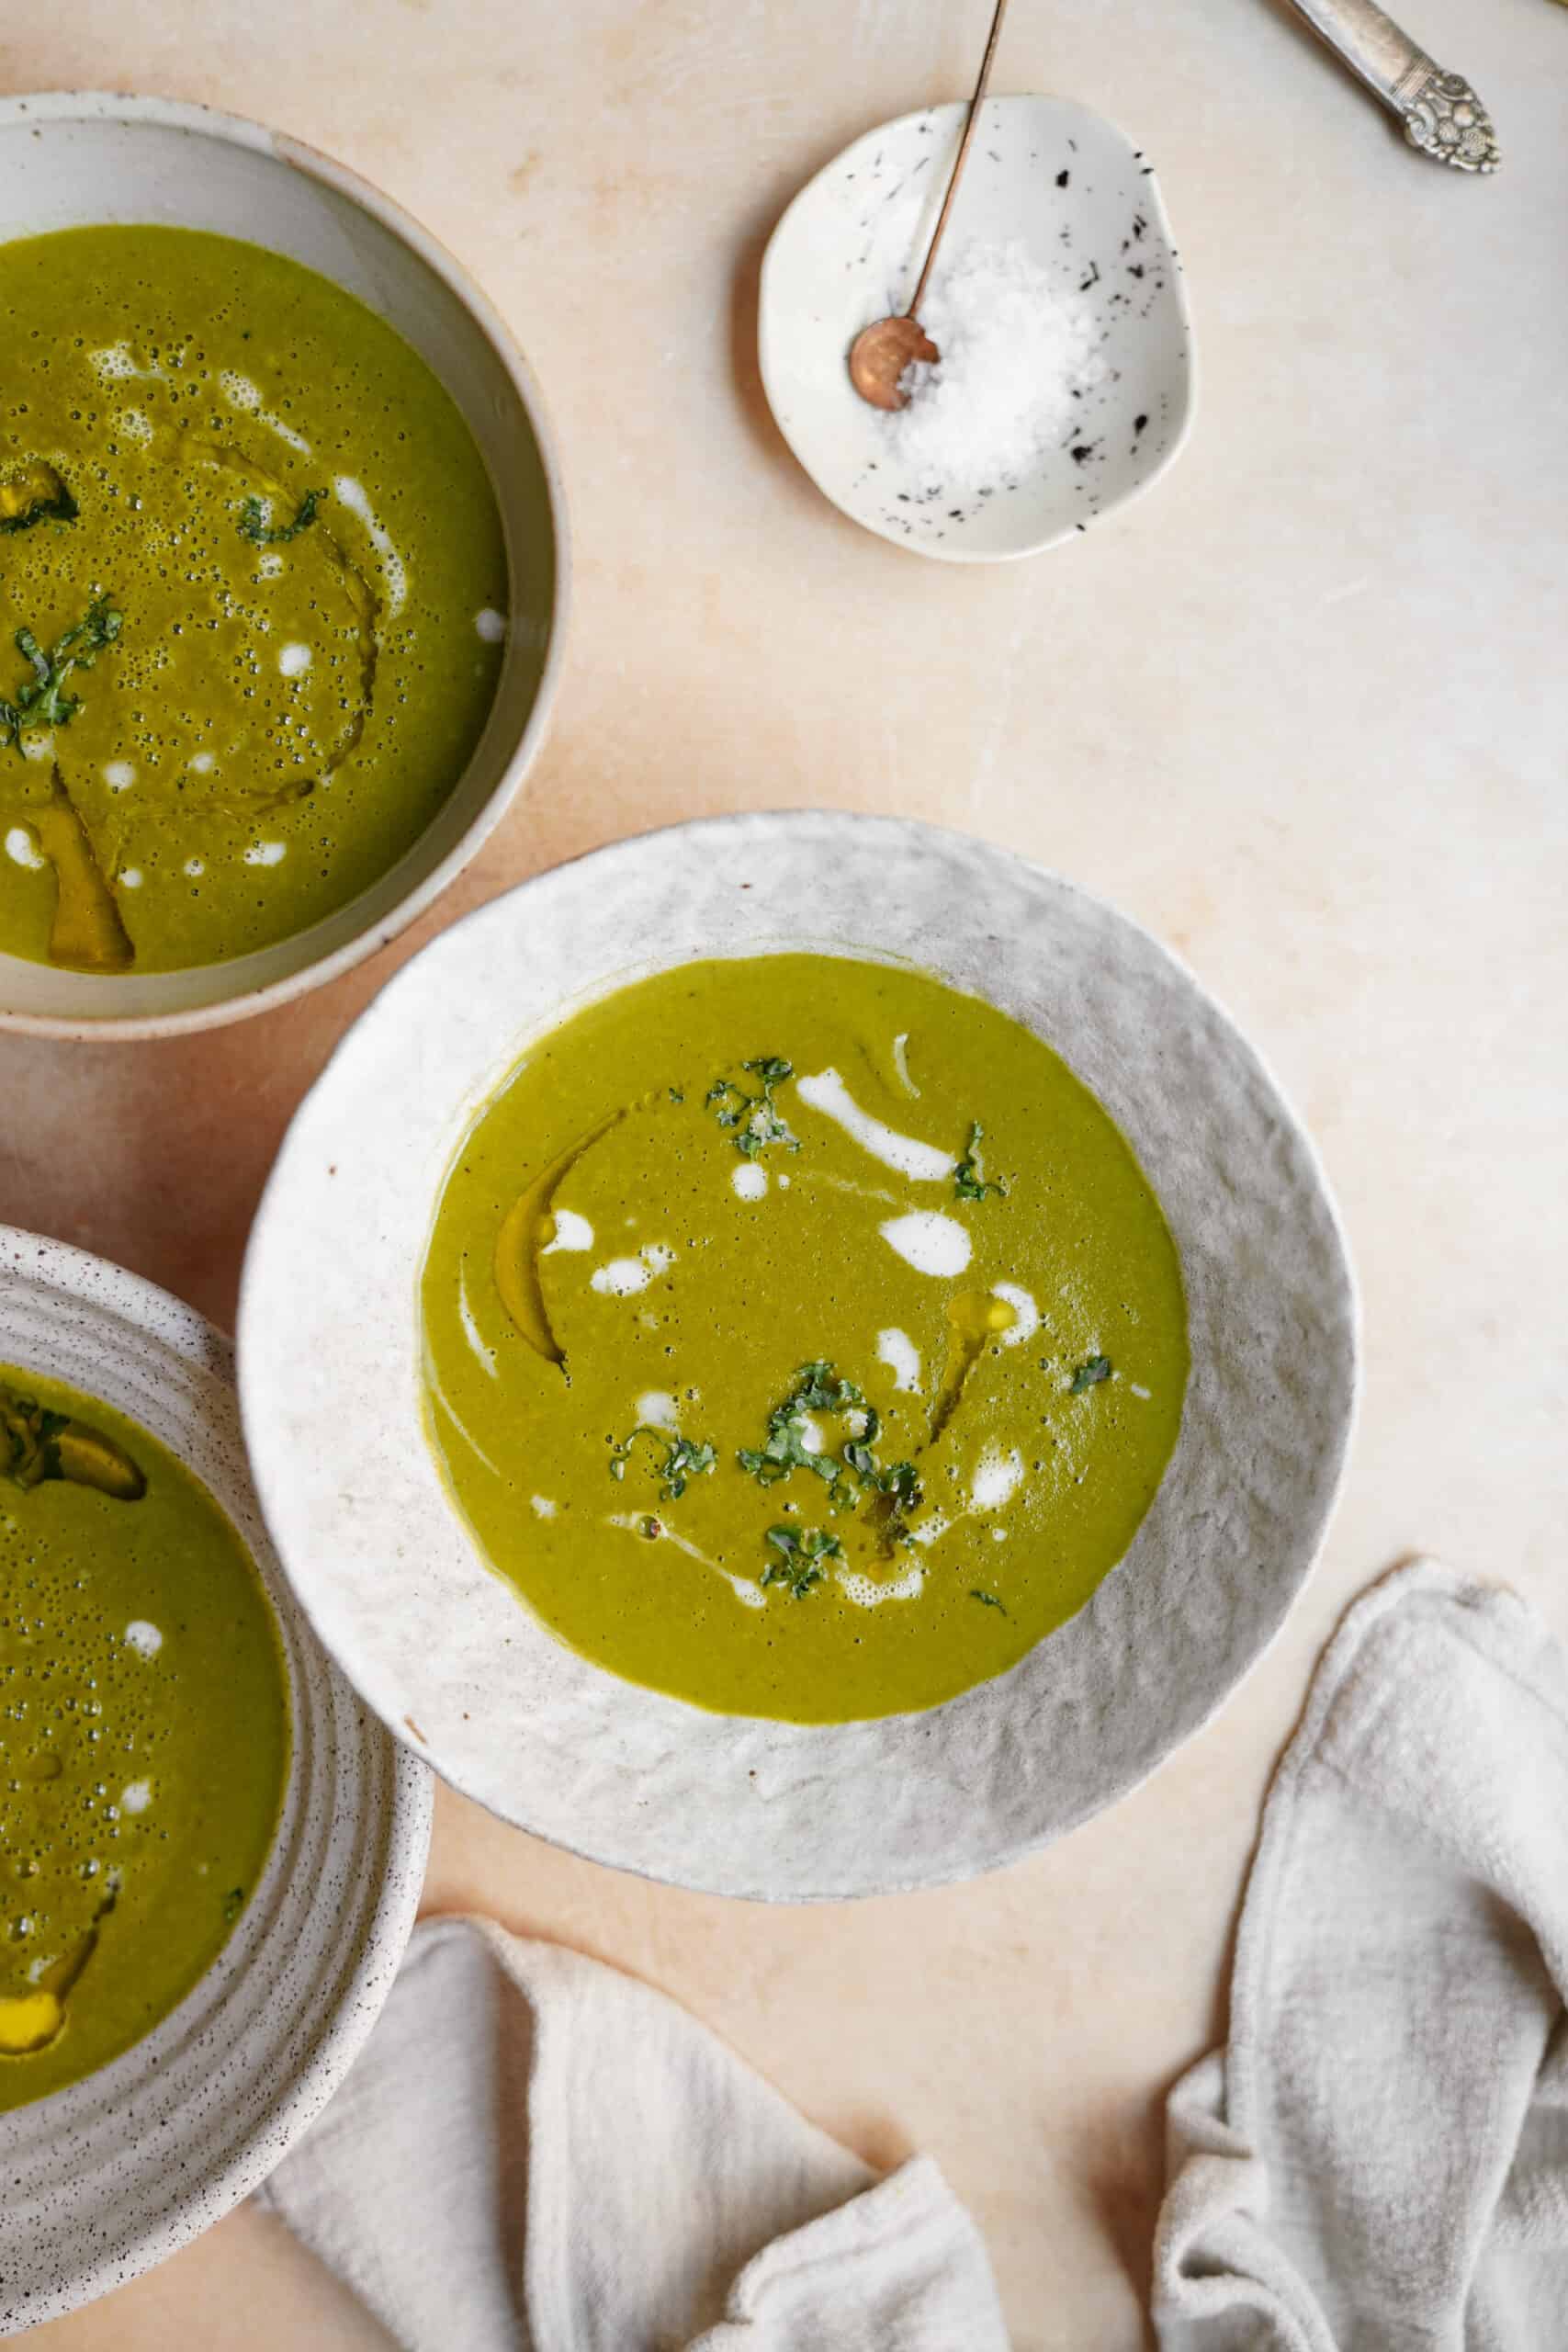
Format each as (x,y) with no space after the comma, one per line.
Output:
(802,1338)
(252,595)
(144,1732)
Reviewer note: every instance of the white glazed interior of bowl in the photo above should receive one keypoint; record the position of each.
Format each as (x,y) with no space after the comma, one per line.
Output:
(68,162)
(117,2171)
(397,1589)
(850,248)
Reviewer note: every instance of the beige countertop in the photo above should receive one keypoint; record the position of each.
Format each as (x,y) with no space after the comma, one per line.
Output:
(1302,712)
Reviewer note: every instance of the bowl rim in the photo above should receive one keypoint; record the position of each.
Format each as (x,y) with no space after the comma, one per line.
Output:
(120,1301)
(939,551)
(512,907)
(111,106)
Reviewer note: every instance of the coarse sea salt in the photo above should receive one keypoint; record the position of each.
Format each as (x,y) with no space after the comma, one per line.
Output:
(1015,359)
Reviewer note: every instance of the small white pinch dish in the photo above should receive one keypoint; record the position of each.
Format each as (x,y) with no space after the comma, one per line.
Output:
(1085,205)
(447,1652)
(107,2177)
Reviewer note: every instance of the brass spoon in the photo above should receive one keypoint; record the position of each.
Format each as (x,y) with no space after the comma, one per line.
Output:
(881,351)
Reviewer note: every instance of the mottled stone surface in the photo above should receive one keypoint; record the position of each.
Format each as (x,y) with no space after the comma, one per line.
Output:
(1300,711)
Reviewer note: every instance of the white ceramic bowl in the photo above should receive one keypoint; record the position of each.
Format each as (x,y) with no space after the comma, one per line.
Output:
(68,160)
(107,2178)
(446,1653)
(1085,206)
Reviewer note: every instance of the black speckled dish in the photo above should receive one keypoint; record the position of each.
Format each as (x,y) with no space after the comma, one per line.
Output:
(1083,203)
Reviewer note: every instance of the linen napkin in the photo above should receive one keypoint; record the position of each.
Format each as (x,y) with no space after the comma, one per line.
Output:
(537,2154)
(1379,2158)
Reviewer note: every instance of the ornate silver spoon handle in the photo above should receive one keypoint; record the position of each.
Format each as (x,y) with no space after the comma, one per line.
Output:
(1441,114)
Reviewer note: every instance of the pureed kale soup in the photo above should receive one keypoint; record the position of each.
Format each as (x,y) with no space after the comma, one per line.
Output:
(801,1338)
(144,1733)
(253,598)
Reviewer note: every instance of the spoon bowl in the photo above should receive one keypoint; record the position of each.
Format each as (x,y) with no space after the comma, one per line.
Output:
(881,355)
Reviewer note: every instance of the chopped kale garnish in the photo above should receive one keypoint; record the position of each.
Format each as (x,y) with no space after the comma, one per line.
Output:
(802,1551)
(1090,1374)
(784,1452)
(37,1443)
(234,1904)
(42,699)
(29,1433)
(683,1458)
(753,1120)
(254,525)
(902,1481)
(987,1599)
(820,1389)
(686,1458)
(56,507)
(817,1389)
(969,1181)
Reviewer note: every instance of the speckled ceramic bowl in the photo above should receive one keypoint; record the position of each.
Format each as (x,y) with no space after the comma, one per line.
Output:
(1085,204)
(71,159)
(453,1661)
(103,2179)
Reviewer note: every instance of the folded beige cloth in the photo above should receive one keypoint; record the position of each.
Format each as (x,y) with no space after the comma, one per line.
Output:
(538,2153)
(1378,2161)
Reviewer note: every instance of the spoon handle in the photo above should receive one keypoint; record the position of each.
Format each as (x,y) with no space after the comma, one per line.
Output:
(1441,114)
(962,157)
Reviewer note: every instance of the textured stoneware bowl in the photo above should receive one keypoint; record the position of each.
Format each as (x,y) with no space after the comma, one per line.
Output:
(1085,205)
(453,1660)
(69,160)
(107,2178)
